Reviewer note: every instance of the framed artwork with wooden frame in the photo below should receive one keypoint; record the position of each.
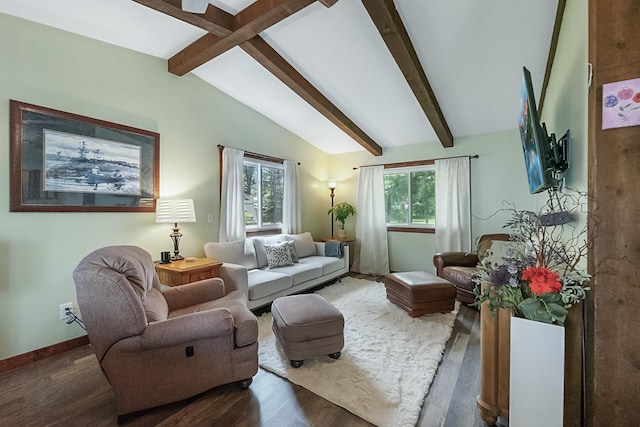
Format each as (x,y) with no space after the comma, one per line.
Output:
(64,162)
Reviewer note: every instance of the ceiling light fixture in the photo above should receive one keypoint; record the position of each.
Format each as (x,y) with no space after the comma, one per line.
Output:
(195,6)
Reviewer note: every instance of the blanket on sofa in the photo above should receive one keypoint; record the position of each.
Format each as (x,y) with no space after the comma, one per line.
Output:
(334,249)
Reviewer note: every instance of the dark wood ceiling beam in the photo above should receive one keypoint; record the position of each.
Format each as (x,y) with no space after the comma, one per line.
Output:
(270,12)
(242,30)
(214,20)
(552,51)
(246,24)
(260,50)
(386,18)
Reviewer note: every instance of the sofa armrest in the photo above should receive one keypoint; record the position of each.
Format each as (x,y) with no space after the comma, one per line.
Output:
(445,259)
(236,278)
(194,293)
(190,327)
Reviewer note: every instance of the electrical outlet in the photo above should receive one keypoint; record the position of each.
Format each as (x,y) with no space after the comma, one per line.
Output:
(62,308)
(210,218)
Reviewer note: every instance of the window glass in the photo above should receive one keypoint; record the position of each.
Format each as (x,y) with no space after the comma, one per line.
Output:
(410,196)
(396,192)
(423,197)
(272,194)
(263,193)
(250,181)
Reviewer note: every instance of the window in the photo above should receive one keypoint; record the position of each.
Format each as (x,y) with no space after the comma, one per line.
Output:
(263,184)
(410,197)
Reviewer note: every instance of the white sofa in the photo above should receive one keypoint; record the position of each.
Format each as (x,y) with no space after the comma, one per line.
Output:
(245,264)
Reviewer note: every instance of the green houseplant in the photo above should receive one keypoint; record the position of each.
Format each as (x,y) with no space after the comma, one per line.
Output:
(341,212)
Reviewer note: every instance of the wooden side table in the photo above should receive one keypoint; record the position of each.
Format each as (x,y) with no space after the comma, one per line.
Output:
(182,272)
(338,239)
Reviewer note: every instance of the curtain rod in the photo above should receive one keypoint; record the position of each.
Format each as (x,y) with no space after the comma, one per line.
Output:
(417,162)
(258,156)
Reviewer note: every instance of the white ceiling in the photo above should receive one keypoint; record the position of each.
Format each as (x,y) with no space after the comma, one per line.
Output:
(471,51)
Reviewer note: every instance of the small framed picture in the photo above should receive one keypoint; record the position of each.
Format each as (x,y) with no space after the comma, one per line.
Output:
(621,104)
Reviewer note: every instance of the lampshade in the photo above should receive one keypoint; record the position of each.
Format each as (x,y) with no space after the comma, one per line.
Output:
(175,210)
(195,6)
(332,185)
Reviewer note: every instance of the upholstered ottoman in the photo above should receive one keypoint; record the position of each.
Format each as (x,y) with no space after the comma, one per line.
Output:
(418,292)
(306,326)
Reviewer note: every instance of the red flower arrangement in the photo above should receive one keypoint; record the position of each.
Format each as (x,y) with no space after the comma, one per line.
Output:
(542,280)
(538,277)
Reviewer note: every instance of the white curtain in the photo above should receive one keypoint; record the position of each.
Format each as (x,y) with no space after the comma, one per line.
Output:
(232,196)
(291,216)
(453,205)
(371,249)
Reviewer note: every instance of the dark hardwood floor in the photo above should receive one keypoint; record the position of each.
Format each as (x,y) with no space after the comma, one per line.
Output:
(70,390)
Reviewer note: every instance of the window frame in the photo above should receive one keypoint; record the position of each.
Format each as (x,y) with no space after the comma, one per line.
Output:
(259,229)
(428,165)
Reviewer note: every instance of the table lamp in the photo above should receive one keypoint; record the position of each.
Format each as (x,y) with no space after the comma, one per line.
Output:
(175,211)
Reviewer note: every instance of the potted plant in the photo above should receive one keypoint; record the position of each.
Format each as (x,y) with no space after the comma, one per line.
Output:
(341,212)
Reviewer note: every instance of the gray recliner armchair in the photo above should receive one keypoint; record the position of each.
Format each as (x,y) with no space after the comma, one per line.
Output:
(161,346)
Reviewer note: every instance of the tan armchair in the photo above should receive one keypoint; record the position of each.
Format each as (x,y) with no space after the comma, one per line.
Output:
(459,267)
(160,346)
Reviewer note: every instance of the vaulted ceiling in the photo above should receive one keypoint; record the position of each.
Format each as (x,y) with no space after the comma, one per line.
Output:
(344,75)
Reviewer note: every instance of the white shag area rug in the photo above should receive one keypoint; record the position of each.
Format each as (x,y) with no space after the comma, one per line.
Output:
(388,361)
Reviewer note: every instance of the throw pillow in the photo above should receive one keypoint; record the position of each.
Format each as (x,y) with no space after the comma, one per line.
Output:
(258,244)
(292,251)
(304,244)
(278,255)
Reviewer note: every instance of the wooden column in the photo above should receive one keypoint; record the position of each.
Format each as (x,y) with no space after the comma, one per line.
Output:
(493,400)
(612,342)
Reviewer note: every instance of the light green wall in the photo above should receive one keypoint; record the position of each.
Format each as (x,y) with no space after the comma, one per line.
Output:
(565,106)
(497,176)
(38,251)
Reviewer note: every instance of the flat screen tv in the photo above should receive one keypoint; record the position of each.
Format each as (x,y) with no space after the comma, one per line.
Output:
(536,145)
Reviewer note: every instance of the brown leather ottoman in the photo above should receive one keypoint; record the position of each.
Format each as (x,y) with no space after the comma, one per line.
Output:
(418,292)
(306,326)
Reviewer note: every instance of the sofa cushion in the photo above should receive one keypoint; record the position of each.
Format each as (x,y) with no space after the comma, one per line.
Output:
(328,265)
(302,272)
(264,283)
(232,252)
(278,254)
(304,244)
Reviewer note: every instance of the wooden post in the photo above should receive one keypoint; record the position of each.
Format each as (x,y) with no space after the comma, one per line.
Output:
(495,339)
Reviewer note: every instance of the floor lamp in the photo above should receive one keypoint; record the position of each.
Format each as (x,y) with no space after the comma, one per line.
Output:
(332,187)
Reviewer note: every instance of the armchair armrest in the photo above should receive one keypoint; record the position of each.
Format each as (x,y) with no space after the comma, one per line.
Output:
(194,293)
(236,278)
(190,327)
(462,259)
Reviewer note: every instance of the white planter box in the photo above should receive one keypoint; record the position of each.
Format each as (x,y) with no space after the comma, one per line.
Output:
(536,375)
